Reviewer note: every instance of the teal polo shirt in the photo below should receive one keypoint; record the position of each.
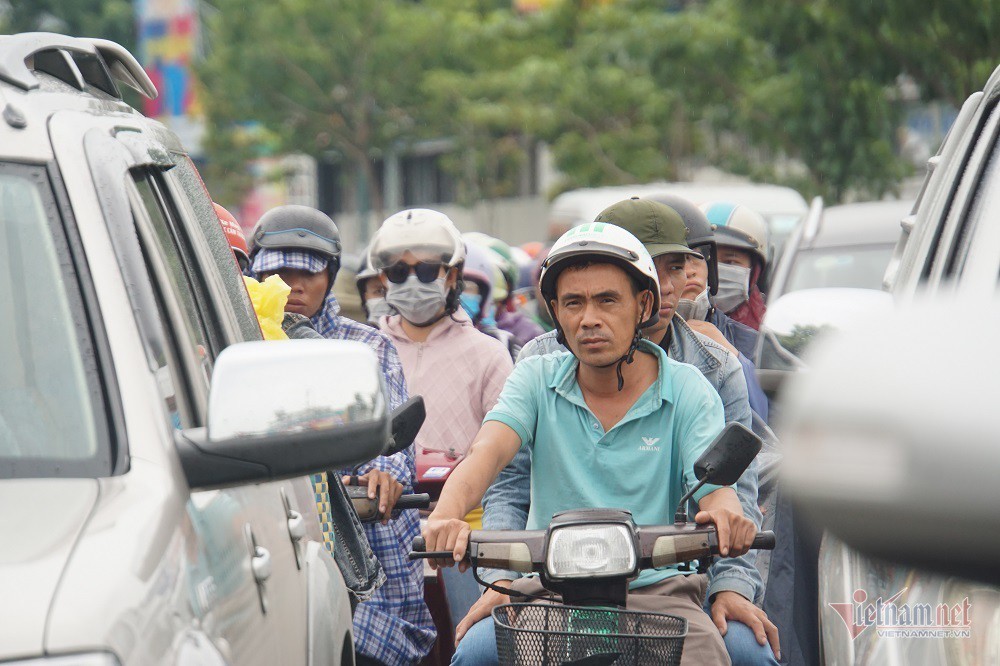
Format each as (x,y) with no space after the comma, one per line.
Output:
(643,464)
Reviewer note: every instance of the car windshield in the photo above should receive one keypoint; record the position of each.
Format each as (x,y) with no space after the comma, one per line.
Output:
(856,266)
(47,423)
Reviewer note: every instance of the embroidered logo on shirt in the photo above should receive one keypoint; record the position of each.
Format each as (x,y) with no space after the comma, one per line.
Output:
(649,444)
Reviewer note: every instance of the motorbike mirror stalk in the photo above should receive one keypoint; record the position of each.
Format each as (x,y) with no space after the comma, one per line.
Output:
(722,463)
(407,419)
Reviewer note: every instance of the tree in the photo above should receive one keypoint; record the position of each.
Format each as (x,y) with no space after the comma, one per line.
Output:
(320,76)
(108,19)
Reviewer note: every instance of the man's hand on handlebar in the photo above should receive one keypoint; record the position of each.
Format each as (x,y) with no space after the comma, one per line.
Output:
(447,534)
(482,609)
(389,490)
(735,531)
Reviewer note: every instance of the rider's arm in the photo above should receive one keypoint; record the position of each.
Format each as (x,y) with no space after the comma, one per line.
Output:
(755,394)
(723,498)
(506,504)
(492,449)
(739,574)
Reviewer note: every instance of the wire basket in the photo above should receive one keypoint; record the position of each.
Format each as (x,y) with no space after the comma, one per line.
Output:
(529,634)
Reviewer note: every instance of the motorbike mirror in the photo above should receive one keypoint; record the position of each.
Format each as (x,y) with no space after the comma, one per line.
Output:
(407,420)
(725,460)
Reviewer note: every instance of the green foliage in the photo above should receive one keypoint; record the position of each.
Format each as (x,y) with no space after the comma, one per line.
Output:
(626,91)
(108,19)
(323,76)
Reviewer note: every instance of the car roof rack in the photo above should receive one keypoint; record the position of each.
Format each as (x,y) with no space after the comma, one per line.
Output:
(78,61)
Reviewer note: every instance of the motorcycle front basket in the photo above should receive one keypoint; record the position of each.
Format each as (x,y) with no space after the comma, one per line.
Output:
(530,634)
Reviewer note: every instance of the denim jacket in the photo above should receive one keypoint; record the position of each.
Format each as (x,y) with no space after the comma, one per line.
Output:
(744,339)
(506,503)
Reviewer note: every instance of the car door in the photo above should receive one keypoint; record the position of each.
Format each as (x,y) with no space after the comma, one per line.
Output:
(283,510)
(226,538)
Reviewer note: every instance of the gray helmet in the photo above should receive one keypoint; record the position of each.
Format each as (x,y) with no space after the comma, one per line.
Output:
(297,228)
(700,234)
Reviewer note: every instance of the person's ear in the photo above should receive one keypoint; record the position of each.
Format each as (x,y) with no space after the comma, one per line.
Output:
(646,309)
(451,278)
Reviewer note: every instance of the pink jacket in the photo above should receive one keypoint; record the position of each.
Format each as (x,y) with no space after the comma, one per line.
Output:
(459,371)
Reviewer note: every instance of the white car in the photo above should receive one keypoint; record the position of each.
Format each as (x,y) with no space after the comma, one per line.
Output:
(155,506)
(891,436)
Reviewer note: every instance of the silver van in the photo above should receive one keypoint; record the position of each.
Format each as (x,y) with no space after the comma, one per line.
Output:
(155,506)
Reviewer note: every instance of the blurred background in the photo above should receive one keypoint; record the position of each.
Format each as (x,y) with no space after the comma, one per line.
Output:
(488,109)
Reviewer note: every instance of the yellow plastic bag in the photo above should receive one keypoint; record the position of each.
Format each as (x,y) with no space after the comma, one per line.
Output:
(269,298)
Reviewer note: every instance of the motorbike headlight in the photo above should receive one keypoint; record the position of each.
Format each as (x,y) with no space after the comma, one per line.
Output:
(590,551)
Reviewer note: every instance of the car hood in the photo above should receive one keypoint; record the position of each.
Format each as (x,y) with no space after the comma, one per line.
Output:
(40,520)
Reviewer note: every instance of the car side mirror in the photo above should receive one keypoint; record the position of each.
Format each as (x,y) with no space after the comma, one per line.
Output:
(278,410)
(797,319)
(723,462)
(891,438)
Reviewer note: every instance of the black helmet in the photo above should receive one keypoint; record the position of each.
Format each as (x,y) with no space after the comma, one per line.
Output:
(700,235)
(296,228)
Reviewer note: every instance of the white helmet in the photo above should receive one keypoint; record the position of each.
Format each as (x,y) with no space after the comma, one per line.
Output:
(603,242)
(428,234)
(738,226)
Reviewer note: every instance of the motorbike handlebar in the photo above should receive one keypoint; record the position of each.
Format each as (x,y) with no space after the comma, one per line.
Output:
(413,501)
(762,541)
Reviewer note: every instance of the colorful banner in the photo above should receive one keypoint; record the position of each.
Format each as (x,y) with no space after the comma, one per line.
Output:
(168,46)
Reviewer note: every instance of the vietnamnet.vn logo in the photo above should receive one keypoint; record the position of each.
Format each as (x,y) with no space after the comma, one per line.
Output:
(905,620)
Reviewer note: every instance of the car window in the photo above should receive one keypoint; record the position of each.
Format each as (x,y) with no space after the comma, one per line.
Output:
(50,393)
(166,246)
(985,208)
(859,266)
(209,233)
(951,245)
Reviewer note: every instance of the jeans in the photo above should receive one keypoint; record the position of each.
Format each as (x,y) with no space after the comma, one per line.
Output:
(479,646)
(462,591)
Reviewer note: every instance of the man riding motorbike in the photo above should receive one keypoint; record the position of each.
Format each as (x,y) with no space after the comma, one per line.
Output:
(508,317)
(372,292)
(735,583)
(478,272)
(696,301)
(616,423)
(742,237)
(302,246)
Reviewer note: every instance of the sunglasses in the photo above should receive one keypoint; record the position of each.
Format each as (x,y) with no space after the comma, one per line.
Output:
(426,272)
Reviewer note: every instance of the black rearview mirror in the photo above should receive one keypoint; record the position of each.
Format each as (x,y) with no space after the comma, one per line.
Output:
(723,462)
(407,420)
(725,459)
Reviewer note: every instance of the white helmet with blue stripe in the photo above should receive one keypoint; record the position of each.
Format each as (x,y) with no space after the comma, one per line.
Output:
(735,225)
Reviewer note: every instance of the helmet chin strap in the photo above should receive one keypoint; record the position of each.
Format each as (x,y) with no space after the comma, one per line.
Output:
(629,356)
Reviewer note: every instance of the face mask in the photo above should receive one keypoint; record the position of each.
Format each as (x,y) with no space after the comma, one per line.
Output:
(377,308)
(734,287)
(696,309)
(471,303)
(418,302)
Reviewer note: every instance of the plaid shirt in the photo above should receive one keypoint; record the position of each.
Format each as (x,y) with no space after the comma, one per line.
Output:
(395,626)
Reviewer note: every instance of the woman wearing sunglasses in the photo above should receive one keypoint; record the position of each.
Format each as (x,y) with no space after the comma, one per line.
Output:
(457,369)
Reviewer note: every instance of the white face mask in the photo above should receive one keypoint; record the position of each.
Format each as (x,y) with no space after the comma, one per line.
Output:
(418,302)
(696,309)
(734,287)
(377,308)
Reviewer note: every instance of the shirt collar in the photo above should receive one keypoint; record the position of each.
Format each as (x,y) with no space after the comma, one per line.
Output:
(564,381)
